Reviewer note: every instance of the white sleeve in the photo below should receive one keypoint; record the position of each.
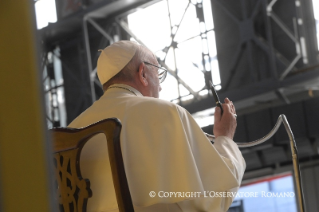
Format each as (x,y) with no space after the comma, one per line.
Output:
(229,153)
(225,147)
(228,149)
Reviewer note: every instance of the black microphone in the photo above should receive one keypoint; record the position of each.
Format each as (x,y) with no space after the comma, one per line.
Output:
(216,98)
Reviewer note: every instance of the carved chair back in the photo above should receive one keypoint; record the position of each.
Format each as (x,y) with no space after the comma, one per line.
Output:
(74,191)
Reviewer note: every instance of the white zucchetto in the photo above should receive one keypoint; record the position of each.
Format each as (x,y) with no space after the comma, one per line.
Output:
(114,58)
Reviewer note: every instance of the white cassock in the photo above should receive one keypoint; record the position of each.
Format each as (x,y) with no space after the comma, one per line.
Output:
(164,150)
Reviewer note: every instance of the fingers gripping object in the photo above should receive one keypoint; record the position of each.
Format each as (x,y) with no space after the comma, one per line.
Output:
(218,103)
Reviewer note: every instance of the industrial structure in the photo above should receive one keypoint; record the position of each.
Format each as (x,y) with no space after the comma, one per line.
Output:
(261,54)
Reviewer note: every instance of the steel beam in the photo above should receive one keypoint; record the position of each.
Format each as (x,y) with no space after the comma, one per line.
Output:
(252,90)
(124,26)
(88,57)
(100,29)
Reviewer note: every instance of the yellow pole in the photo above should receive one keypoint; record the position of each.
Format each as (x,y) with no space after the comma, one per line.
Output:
(23,163)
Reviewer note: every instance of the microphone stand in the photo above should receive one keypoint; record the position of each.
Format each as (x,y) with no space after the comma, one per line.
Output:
(281,119)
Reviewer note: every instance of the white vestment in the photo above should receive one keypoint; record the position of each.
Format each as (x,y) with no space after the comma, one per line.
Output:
(164,150)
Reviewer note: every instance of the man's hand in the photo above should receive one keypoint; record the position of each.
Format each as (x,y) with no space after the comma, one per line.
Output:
(225,125)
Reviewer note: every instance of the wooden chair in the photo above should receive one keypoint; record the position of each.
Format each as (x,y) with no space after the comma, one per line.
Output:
(73,190)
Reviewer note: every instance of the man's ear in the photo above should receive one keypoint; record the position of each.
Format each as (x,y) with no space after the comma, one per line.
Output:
(142,74)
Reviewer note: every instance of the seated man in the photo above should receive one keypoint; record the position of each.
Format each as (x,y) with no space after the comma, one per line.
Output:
(164,150)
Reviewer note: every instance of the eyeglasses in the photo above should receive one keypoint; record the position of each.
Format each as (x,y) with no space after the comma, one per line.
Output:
(162,72)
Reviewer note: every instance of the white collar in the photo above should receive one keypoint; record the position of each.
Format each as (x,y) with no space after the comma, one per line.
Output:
(125,87)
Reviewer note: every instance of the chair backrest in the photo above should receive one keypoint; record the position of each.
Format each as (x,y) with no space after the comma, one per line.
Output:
(73,190)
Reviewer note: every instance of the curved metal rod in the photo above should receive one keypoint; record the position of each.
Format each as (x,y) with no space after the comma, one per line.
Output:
(258,141)
(281,119)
